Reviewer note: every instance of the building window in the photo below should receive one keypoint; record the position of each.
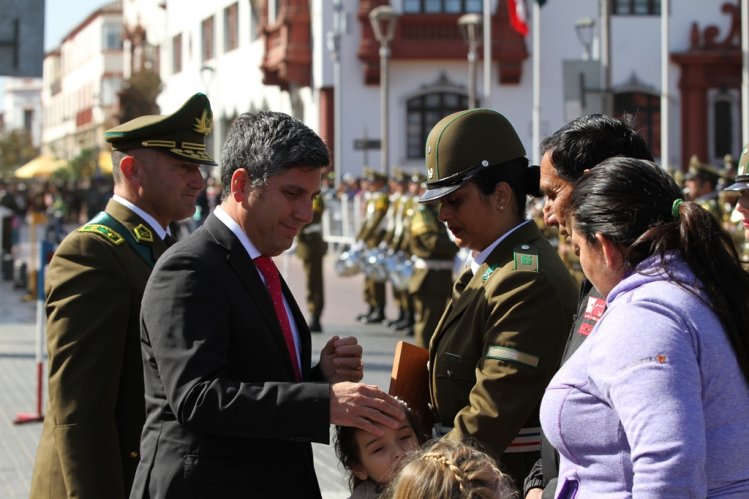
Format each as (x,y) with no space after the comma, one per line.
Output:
(646,108)
(177,54)
(637,7)
(206,29)
(441,6)
(112,37)
(231,28)
(28,120)
(423,112)
(724,123)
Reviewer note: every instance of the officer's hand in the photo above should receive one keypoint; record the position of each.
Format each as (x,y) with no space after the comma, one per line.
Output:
(341,360)
(364,407)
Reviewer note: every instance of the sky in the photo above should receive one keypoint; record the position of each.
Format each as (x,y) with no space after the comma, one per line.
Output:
(60,17)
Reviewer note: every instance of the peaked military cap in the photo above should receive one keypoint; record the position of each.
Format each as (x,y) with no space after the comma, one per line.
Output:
(181,134)
(463,143)
(373,175)
(742,172)
(702,171)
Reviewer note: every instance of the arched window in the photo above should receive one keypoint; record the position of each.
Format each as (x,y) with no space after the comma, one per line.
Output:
(646,108)
(423,112)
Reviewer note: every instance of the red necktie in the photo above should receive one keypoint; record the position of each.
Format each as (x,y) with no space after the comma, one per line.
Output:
(273,282)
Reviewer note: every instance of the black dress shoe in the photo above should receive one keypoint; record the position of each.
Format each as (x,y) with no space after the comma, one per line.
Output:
(363,317)
(404,324)
(375,317)
(314,326)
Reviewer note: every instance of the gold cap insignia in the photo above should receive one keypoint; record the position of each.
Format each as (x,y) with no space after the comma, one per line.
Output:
(143,234)
(204,124)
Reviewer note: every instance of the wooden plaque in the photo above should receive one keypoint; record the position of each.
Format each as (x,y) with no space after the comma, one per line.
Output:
(409,380)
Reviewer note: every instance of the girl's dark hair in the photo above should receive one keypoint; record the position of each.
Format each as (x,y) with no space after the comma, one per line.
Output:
(523,180)
(631,202)
(348,452)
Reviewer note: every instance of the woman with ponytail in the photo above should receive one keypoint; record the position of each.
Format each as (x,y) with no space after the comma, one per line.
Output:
(656,402)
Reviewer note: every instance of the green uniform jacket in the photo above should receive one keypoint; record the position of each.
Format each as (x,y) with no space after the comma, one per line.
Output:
(89,447)
(310,243)
(496,347)
(372,230)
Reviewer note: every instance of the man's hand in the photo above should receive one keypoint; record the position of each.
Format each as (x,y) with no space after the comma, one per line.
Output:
(364,407)
(341,360)
(534,494)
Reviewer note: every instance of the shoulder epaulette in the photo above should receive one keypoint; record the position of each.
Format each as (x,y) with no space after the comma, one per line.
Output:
(112,235)
(525,258)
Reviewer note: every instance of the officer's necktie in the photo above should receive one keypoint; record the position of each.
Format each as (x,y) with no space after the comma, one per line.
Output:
(463,279)
(273,282)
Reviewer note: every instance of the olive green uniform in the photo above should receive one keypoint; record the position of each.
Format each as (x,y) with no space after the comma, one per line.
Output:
(372,232)
(311,248)
(90,442)
(431,282)
(498,344)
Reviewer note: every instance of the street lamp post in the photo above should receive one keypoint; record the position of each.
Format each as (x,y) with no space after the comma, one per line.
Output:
(334,47)
(383,24)
(470,28)
(584,29)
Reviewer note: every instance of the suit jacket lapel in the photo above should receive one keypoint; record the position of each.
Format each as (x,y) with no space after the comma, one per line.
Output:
(240,261)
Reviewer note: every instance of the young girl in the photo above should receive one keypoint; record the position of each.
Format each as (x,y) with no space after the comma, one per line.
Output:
(371,460)
(447,470)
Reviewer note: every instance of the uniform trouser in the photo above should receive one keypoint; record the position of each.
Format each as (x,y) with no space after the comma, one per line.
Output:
(403,299)
(315,286)
(374,293)
(428,308)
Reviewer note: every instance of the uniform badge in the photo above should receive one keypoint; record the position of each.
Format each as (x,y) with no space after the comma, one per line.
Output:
(204,124)
(486,275)
(525,258)
(104,231)
(143,234)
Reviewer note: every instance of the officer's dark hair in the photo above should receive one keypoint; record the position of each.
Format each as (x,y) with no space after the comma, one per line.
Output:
(522,179)
(266,144)
(586,141)
(630,201)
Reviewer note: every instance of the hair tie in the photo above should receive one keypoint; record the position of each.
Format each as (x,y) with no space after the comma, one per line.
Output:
(675,208)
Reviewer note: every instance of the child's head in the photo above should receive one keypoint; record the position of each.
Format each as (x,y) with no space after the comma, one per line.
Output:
(369,457)
(451,470)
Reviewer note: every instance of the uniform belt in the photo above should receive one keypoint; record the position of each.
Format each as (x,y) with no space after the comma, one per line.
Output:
(420,263)
(312,229)
(527,440)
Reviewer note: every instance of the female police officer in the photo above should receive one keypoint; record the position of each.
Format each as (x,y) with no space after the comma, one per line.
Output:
(501,337)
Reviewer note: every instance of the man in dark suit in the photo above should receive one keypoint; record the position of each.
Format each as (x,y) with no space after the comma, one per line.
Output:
(232,402)
(89,445)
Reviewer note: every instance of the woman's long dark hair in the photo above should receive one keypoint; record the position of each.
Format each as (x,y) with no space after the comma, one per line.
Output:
(631,202)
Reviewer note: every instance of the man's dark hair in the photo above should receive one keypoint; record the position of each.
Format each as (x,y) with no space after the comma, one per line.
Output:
(267,144)
(586,141)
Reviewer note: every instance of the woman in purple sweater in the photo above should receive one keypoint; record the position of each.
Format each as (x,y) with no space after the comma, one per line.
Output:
(656,402)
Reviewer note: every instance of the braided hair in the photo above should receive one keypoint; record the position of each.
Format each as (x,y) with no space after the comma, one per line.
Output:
(451,470)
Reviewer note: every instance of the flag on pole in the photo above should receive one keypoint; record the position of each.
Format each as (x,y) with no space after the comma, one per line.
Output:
(518,16)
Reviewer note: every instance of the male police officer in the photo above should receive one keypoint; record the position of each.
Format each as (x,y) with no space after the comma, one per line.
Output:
(371,234)
(90,442)
(701,182)
(311,248)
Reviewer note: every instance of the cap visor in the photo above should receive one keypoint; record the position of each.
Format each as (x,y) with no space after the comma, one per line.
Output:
(738,186)
(435,193)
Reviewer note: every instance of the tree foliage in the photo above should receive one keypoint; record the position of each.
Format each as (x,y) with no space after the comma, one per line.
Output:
(16,149)
(138,95)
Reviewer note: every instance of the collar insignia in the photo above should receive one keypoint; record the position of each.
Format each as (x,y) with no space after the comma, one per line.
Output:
(143,234)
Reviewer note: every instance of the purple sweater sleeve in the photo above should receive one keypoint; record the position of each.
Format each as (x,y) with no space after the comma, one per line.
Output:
(645,365)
